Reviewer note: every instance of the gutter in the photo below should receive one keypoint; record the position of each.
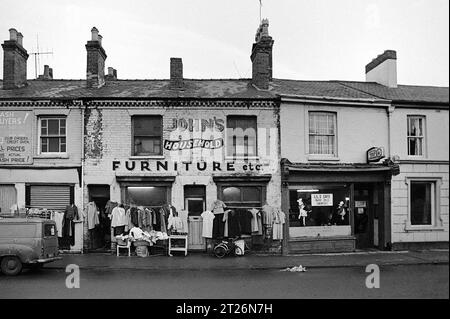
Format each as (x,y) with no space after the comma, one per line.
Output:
(335,100)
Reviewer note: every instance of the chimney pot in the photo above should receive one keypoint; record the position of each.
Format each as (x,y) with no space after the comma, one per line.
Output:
(20,38)
(13,34)
(94,33)
(100,38)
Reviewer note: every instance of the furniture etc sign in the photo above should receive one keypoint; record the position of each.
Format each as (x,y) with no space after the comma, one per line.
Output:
(322,199)
(374,154)
(15,138)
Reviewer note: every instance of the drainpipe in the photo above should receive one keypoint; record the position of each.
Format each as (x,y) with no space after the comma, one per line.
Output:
(82,170)
(390,109)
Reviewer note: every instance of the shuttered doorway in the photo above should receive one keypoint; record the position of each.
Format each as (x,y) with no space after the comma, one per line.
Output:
(7,198)
(50,196)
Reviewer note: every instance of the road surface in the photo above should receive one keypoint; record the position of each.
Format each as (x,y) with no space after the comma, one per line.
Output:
(412,281)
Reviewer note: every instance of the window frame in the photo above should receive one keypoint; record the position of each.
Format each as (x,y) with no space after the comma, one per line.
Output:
(422,137)
(228,147)
(311,155)
(133,148)
(40,137)
(262,188)
(436,218)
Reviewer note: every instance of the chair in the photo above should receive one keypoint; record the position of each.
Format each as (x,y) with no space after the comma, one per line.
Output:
(127,246)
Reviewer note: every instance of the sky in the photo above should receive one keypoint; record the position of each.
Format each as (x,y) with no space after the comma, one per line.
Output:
(314,39)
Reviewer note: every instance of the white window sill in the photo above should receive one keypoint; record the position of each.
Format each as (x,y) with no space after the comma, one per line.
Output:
(423,228)
(153,157)
(54,155)
(323,158)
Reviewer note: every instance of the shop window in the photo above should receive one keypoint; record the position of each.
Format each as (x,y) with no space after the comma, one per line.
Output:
(422,202)
(241,136)
(319,205)
(416,135)
(244,196)
(147,135)
(52,134)
(322,133)
(148,196)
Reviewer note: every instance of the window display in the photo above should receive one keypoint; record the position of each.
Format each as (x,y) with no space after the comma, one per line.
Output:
(319,205)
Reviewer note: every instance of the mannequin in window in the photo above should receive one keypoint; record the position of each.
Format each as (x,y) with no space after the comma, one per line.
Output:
(303,213)
(341,217)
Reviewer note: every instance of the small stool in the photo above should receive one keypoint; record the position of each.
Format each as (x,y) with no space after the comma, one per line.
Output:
(184,248)
(127,246)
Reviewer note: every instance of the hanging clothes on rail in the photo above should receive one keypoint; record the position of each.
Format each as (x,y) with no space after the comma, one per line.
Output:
(207,226)
(279,219)
(92,215)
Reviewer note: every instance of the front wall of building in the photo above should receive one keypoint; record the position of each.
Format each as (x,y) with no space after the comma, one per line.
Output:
(431,167)
(358,129)
(108,151)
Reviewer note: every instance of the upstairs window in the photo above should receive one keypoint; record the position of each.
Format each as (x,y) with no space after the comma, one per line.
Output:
(147,135)
(322,133)
(241,136)
(416,135)
(52,135)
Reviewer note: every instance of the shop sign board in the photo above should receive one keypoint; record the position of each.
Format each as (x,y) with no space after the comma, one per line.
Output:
(374,154)
(362,203)
(322,199)
(15,138)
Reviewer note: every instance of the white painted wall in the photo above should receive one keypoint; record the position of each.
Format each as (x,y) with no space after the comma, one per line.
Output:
(358,129)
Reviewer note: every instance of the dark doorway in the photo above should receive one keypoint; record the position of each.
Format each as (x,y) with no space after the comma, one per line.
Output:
(100,236)
(367,210)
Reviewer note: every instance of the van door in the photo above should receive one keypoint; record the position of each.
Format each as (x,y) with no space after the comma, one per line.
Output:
(49,240)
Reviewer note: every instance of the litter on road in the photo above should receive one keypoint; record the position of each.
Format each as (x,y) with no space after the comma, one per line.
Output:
(295,269)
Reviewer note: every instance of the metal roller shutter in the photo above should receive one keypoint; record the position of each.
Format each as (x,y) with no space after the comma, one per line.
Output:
(50,197)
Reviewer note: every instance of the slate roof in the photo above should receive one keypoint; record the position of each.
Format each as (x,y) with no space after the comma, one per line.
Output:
(226,89)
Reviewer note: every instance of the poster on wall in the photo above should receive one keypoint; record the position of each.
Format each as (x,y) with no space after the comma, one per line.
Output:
(15,138)
(322,199)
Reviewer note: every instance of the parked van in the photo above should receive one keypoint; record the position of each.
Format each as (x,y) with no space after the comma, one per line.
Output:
(27,242)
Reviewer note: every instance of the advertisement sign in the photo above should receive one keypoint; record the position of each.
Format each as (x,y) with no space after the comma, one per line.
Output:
(374,154)
(322,199)
(15,137)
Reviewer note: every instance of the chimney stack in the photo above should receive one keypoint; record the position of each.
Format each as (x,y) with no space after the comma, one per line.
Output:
(262,57)
(383,69)
(96,56)
(14,61)
(112,74)
(176,73)
(48,73)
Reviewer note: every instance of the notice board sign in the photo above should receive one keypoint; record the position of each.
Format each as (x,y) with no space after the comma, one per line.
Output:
(322,199)
(15,137)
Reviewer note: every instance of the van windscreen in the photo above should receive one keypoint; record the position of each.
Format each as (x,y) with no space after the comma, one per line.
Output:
(49,230)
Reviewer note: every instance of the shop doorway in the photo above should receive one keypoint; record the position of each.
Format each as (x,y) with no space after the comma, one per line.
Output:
(195,204)
(100,236)
(367,206)
(8,198)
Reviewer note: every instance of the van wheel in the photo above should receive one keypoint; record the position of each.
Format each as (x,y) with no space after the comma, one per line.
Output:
(11,265)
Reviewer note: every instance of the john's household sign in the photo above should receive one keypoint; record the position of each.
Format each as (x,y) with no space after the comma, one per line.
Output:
(15,137)
(322,199)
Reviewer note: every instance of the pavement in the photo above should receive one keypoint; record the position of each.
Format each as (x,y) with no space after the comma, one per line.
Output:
(203,261)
